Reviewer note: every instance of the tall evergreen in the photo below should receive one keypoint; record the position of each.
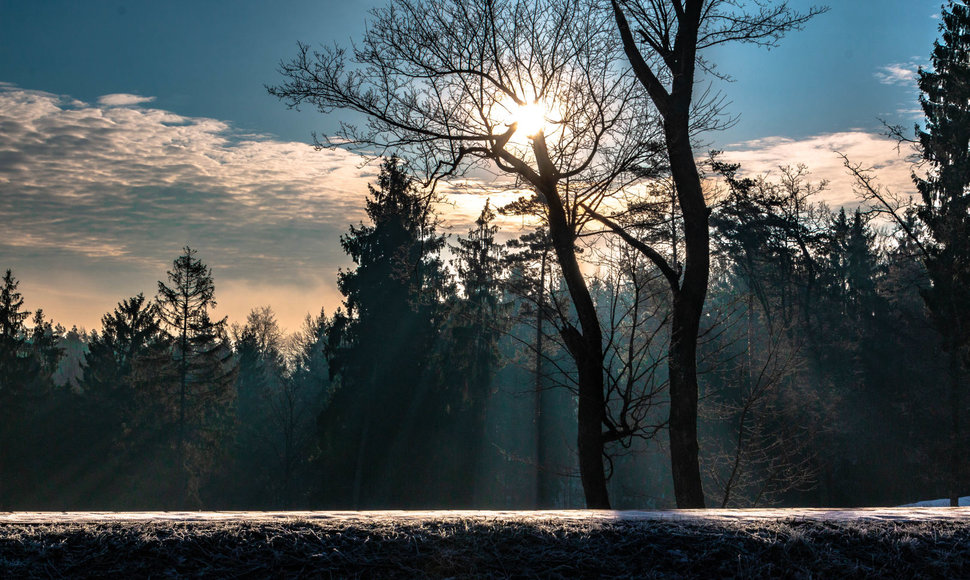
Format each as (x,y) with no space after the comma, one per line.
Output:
(380,424)
(309,353)
(43,344)
(862,264)
(476,322)
(529,260)
(477,318)
(945,208)
(12,317)
(126,332)
(127,367)
(17,373)
(269,415)
(205,371)
(306,390)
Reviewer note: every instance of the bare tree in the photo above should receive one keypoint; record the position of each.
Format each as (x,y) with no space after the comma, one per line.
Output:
(663,40)
(765,453)
(532,89)
(637,323)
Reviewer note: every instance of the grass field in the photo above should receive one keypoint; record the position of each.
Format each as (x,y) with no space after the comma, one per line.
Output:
(924,543)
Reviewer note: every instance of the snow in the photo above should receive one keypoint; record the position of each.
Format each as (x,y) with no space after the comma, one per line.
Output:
(964,501)
(923,511)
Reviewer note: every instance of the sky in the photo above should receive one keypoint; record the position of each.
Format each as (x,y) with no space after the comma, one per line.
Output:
(131,129)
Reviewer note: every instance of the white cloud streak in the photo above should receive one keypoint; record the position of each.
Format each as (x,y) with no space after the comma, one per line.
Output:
(820,154)
(897,73)
(123,100)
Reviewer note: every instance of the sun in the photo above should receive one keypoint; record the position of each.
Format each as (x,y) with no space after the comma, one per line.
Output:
(529,119)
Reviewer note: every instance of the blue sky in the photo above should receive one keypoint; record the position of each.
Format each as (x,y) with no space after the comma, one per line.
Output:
(128,129)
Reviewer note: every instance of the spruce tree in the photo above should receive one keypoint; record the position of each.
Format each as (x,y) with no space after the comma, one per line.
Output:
(529,262)
(476,322)
(310,383)
(18,369)
(43,344)
(862,268)
(128,365)
(479,262)
(11,315)
(17,372)
(262,386)
(945,207)
(126,333)
(379,425)
(205,370)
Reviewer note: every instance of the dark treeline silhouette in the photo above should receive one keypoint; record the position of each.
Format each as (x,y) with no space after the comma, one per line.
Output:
(829,363)
(443,381)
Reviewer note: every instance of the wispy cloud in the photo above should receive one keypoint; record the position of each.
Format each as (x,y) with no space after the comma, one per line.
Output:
(123,100)
(898,73)
(98,199)
(820,154)
(118,189)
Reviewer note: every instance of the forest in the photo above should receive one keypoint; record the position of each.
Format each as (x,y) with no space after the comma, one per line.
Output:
(670,331)
(444,380)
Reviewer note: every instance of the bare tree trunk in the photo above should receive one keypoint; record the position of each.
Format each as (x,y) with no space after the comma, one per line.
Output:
(955,455)
(288,461)
(182,481)
(359,464)
(586,348)
(685,323)
(6,503)
(684,448)
(542,484)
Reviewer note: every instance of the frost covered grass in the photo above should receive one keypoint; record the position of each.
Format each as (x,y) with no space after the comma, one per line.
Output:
(479,546)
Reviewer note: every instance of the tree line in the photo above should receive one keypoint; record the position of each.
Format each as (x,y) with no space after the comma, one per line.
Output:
(789,353)
(445,379)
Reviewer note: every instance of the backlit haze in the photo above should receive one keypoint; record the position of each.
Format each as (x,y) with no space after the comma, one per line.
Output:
(130,129)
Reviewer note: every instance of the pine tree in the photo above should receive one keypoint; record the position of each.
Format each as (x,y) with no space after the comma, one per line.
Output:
(18,371)
(126,333)
(205,371)
(479,262)
(476,322)
(263,456)
(379,422)
(43,344)
(128,365)
(945,207)
(536,290)
(301,404)
(862,268)
(11,316)
(310,365)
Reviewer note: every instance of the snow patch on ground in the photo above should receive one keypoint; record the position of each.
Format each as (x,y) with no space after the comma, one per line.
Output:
(923,511)
(964,501)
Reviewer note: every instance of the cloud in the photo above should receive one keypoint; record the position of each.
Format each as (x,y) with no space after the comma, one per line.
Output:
(912,112)
(820,154)
(898,73)
(123,100)
(97,200)
(114,192)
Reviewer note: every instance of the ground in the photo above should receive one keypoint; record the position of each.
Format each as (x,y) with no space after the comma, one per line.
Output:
(885,543)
